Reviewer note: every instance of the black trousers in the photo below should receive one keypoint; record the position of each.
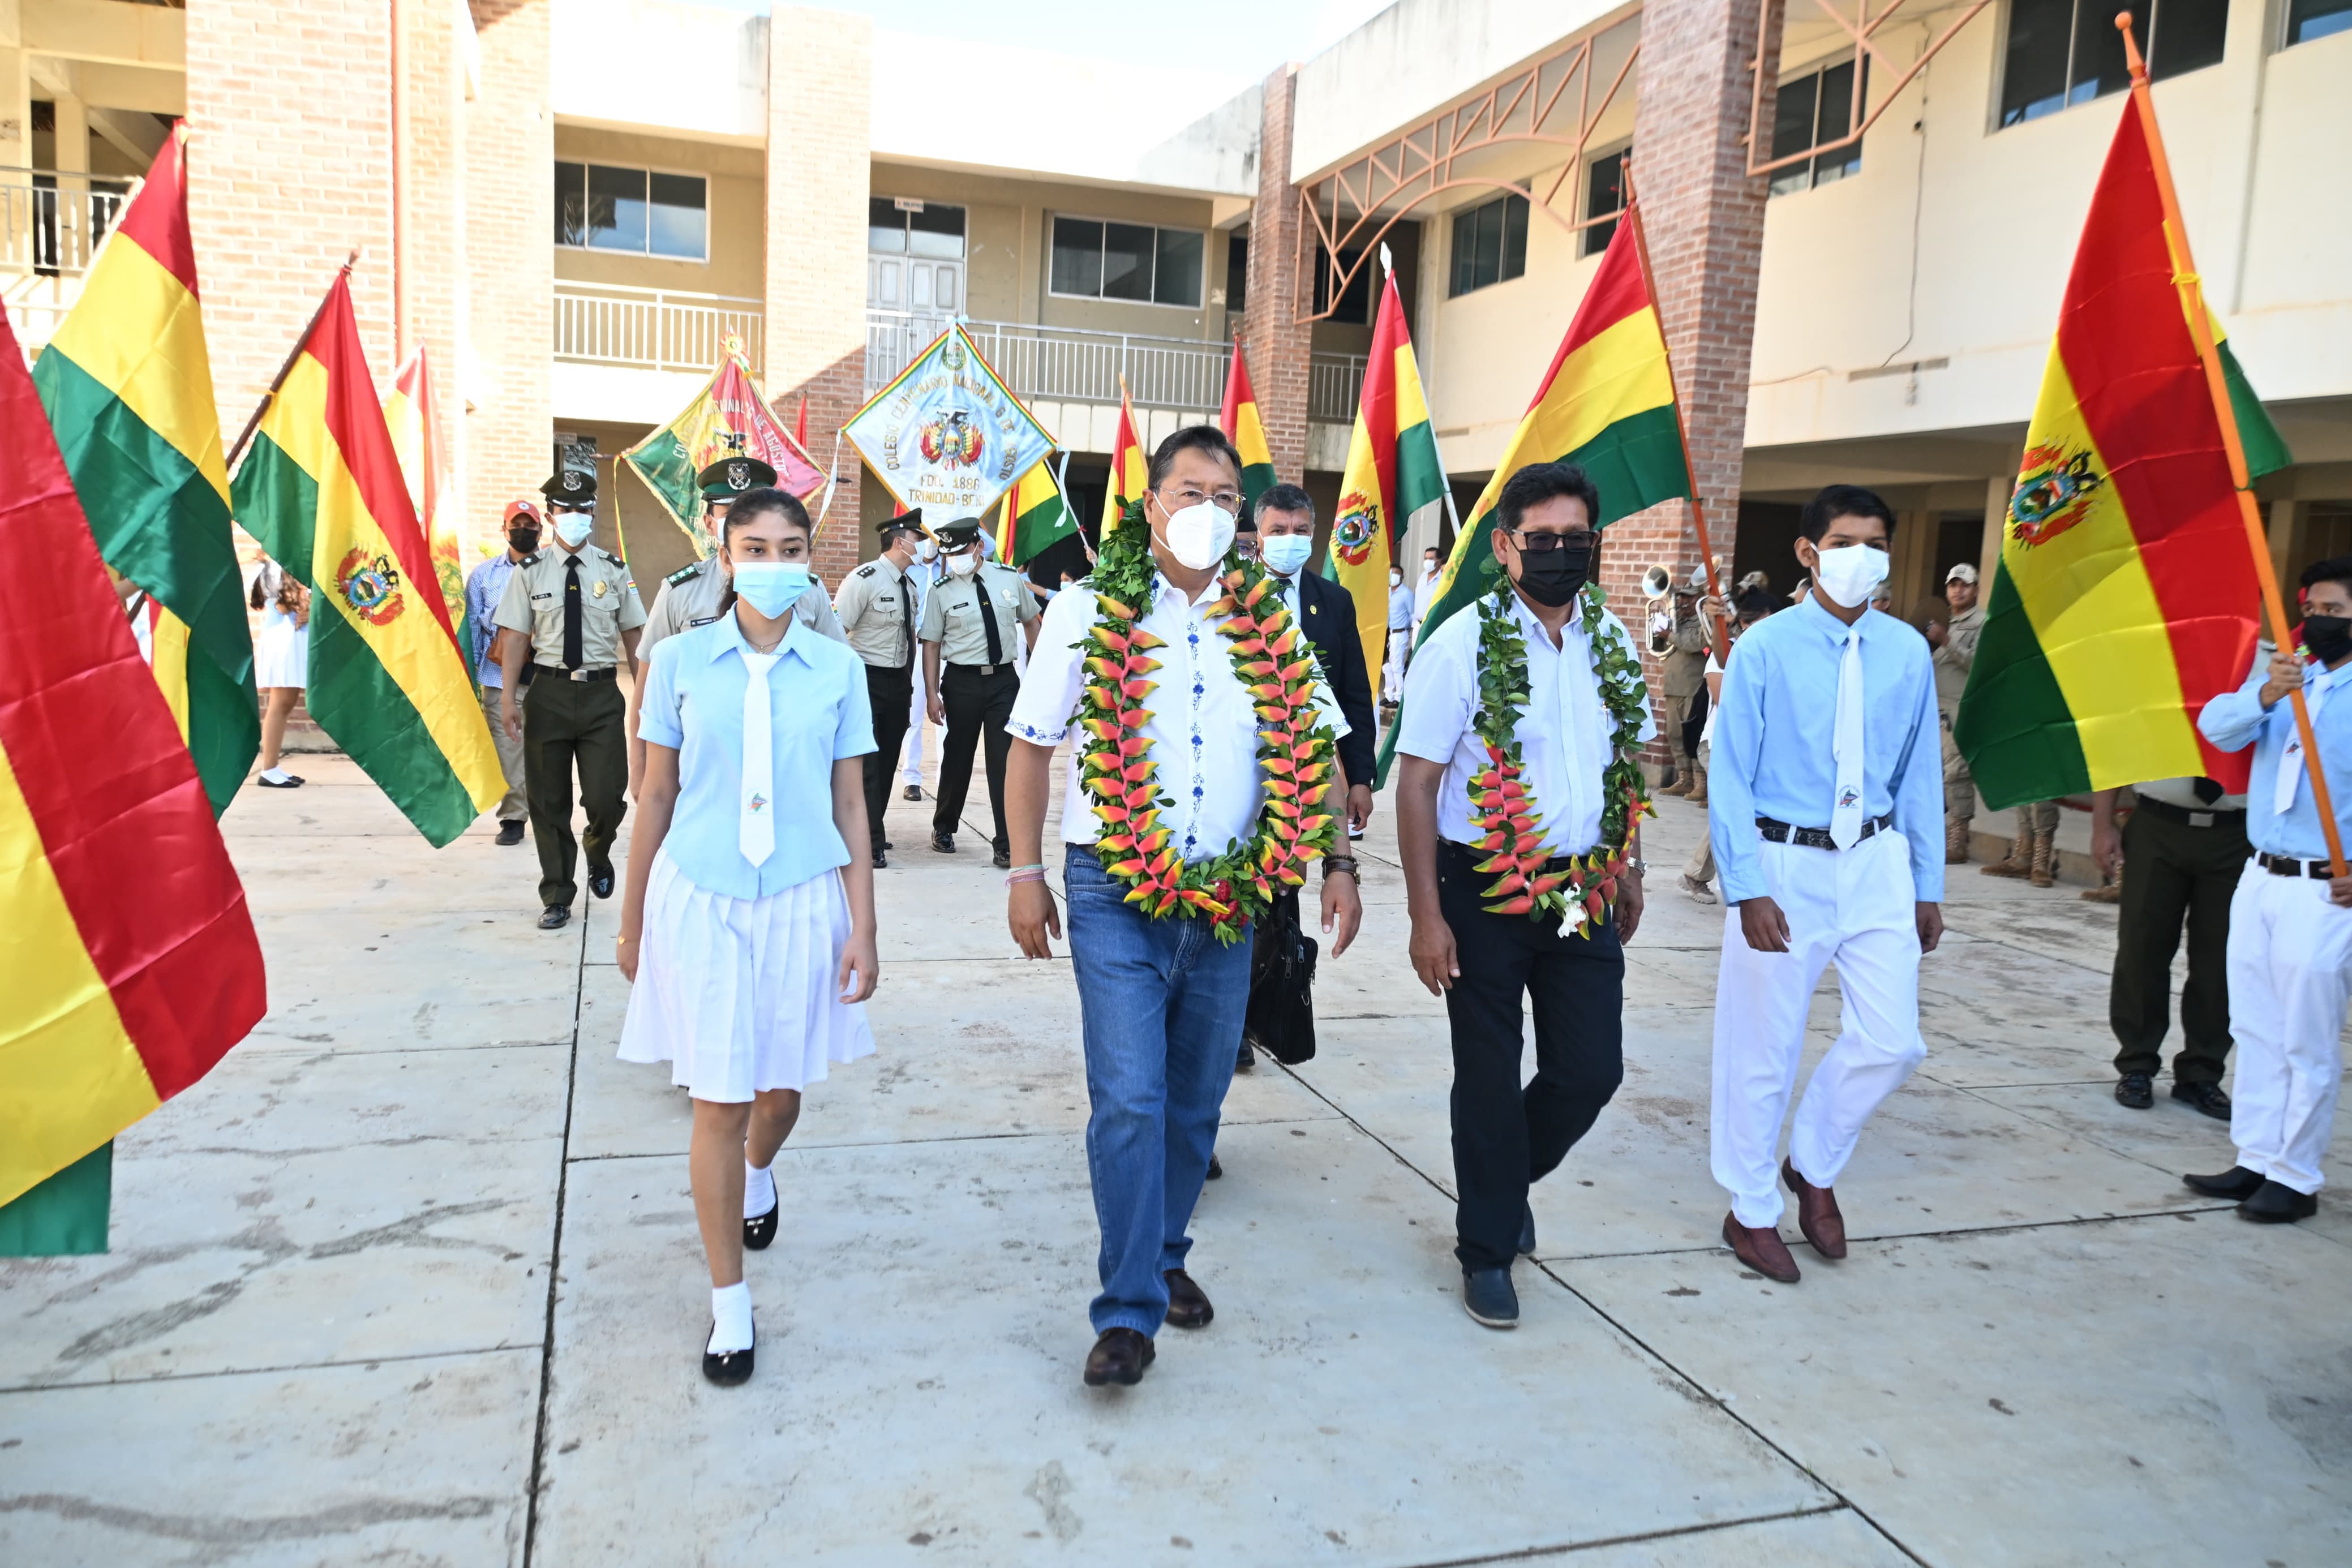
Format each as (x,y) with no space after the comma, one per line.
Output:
(568,722)
(2174,872)
(1506,1137)
(891,693)
(977,707)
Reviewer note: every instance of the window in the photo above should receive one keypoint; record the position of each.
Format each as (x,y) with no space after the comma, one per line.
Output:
(637,211)
(1604,193)
(901,226)
(1355,306)
(1237,271)
(1808,111)
(1490,243)
(1097,260)
(2308,19)
(2064,52)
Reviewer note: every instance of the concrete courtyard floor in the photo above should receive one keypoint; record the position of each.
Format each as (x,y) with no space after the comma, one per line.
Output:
(412,1278)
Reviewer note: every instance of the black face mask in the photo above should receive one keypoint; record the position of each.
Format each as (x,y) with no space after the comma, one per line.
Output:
(1553,576)
(524,539)
(2329,637)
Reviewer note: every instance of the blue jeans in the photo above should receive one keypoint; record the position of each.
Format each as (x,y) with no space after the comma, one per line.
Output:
(1162,1003)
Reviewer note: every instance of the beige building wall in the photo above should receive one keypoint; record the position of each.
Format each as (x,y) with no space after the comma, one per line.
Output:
(503,371)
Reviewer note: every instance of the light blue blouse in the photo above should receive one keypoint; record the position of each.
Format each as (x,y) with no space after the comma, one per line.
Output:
(693,704)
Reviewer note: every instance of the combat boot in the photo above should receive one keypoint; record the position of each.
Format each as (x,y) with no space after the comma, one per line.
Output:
(2109,892)
(1697,796)
(2046,858)
(1681,785)
(2019,862)
(1956,840)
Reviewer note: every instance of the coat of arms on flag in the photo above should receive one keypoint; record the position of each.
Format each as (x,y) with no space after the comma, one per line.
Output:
(947,434)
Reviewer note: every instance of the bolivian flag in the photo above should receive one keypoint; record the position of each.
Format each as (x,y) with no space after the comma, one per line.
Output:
(128,385)
(1130,471)
(2125,595)
(410,415)
(1392,474)
(322,489)
(1035,516)
(127,955)
(1240,420)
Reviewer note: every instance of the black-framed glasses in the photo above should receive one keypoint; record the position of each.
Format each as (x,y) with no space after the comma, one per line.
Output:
(1544,544)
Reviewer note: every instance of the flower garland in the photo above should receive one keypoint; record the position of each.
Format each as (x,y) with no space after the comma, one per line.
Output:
(1272,658)
(1506,805)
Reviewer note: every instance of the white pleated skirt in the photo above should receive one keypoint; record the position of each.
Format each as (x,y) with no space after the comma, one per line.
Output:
(738,994)
(281,653)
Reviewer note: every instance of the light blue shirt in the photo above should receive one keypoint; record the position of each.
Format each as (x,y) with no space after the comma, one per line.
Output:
(2232,719)
(1776,724)
(484,586)
(693,704)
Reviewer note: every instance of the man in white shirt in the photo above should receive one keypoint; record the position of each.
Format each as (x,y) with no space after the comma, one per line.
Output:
(1162,998)
(1484,962)
(1826,739)
(1400,644)
(1424,588)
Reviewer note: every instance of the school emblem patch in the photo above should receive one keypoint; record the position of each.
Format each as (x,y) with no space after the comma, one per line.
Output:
(2055,488)
(951,439)
(759,803)
(1847,797)
(1358,525)
(738,475)
(371,587)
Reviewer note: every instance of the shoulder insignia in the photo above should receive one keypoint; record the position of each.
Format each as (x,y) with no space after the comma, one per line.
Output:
(684,574)
(608,555)
(866,571)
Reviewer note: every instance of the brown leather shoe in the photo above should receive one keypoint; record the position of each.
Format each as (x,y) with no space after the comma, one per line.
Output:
(1817,1213)
(1761,1249)
(1188,1304)
(1120,1356)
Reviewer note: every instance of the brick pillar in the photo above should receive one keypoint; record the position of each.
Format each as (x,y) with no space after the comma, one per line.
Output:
(1703,216)
(820,90)
(498,385)
(1277,344)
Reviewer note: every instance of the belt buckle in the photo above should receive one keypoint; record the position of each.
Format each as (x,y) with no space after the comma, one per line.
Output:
(576,675)
(2201,819)
(990,669)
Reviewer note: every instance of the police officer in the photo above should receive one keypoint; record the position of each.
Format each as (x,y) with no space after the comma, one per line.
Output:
(968,622)
(876,610)
(696,595)
(580,613)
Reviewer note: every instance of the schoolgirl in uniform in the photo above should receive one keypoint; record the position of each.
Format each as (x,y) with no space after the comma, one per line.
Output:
(747,927)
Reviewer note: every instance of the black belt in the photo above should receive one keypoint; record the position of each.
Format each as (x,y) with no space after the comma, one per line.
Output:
(1005,667)
(2279,866)
(1557,863)
(2188,818)
(557,673)
(1781,832)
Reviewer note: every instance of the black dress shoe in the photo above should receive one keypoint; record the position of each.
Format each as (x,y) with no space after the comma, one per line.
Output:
(555,917)
(911,792)
(2236,1182)
(943,843)
(1489,1298)
(511,832)
(2136,1090)
(2275,1203)
(2208,1098)
(1247,1061)
(1528,1231)
(881,861)
(1001,860)
(727,1367)
(600,881)
(1120,1356)
(759,1232)
(283,781)
(1188,1304)
(889,843)
(1216,1171)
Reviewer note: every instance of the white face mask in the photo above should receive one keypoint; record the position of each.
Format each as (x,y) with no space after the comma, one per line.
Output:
(1849,572)
(963,565)
(1199,535)
(1396,579)
(1284,554)
(573,528)
(927,550)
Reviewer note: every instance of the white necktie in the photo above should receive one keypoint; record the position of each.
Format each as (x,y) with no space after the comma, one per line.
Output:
(757,833)
(1845,815)
(2290,772)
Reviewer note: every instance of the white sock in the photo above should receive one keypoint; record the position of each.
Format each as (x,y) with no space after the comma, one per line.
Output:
(759,1190)
(275,775)
(730,1318)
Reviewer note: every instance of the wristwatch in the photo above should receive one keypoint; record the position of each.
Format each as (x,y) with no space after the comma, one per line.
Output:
(1342,863)
(1637,866)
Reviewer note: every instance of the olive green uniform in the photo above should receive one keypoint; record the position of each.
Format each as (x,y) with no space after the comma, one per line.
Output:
(1952,662)
(876,609)
(977,681)
(691,596)
(1683,676)
(572,708)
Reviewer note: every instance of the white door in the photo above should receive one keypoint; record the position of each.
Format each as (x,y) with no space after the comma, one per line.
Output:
(928,293)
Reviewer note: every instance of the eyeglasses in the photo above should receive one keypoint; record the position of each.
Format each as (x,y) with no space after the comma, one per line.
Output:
(1544,544)
(1227,501)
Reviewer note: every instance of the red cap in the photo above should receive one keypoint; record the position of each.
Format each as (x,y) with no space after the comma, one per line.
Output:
(521,508)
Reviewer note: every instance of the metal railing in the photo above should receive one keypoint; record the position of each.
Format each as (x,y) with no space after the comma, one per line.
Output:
(1062,362)
(51,223)
(653,328)
(1334,383)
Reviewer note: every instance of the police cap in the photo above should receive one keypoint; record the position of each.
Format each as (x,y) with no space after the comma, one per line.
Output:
(730,477)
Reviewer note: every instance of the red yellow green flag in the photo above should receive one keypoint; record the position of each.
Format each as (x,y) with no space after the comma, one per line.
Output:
(729,417)
(1130,470)
(127,954)
(1243,427)
(322,489)
(1392,474)
(2125,595)
(409,413)
(128,384)
(1035,516)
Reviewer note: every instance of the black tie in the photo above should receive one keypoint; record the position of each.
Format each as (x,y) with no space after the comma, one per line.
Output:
(907,606)
(573,657)
(2208,791)
(988,619)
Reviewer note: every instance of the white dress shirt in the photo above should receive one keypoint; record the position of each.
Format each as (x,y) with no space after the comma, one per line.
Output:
(1564,732)
(1201,717)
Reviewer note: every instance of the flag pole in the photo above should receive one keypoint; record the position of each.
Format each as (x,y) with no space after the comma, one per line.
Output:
(2201,329)
(1681,431)
(832,479)
(288,368)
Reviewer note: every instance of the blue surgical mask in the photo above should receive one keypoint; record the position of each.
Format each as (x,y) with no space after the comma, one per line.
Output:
(770,587)
(1284,554)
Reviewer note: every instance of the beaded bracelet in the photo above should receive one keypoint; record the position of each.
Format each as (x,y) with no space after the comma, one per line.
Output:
(1026,873)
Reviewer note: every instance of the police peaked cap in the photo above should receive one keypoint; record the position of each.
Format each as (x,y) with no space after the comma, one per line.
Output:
(571,487)
(909,522)
(730,477)
(962,532)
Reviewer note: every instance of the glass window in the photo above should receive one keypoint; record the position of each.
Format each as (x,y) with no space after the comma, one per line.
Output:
(1176,275)
(616,209)
(886,226)
(1808,111)
(1355,306)
(570,203)
(936,232)
(2062,52)
(678,224)
(1837,118)
(1078,257)
(633,210)
(1237,271)
(1097,260)
(2308,19)
(1490,243)
(1127,262)
(1604,193)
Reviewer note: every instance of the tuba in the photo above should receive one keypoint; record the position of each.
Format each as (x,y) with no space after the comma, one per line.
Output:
(1657,584)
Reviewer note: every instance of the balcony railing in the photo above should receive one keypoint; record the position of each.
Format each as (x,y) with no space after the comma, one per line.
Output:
(653,328)
(1061,363)
(1334,383)
(50,227)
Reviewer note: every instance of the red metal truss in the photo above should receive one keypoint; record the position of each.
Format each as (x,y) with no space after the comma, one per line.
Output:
(1863,29)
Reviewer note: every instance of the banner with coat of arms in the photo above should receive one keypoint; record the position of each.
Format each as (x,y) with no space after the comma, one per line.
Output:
(948,434)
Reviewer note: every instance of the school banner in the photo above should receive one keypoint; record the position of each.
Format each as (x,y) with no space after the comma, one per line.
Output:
(948,434)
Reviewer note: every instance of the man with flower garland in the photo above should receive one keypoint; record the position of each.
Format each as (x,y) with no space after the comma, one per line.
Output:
(1520,801)
(1203,779)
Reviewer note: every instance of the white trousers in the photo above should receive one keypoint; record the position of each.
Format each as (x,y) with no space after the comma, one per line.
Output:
(1392,668)
(1854,909)
(2290,977)
(917,711)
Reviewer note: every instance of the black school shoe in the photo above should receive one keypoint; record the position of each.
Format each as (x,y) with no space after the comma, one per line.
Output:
(1489,1298)
(729,1367)
(2275,1203)
(600,881)
(555,917)
(2208,1098)
(911,792)
(2135,1091)
(1527,1232)
(511,832)
(2236,1182)
(759,1232)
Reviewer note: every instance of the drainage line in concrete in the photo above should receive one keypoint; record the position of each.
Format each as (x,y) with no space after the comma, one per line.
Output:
(1528,1553)
(554,1264)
